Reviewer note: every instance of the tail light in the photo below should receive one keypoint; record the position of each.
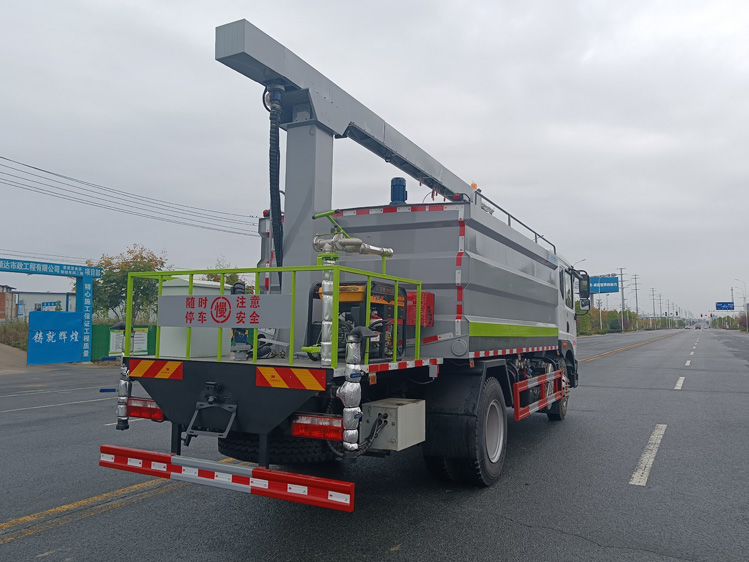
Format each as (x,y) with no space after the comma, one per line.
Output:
(329,428)
(144,408)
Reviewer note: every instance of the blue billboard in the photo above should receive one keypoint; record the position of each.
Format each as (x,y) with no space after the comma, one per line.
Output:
(84,287)
(723,306)
(608,284)
(62,269)
(55,337)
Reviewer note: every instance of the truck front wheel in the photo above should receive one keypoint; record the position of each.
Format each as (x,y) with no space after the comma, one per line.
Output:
(558,410)
(488,438)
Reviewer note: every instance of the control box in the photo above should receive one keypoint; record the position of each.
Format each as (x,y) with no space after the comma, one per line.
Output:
(406,423)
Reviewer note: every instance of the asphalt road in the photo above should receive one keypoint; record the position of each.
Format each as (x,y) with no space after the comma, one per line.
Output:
(650,464)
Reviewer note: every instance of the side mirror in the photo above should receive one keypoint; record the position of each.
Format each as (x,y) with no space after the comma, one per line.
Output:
(584,286)
(584,304)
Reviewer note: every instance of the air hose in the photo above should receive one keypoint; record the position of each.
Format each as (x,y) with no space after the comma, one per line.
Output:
(276,92)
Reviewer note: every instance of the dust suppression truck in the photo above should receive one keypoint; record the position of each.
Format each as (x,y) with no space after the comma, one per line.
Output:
(361,331)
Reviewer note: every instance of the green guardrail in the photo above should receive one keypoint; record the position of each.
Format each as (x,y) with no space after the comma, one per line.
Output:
(337,270)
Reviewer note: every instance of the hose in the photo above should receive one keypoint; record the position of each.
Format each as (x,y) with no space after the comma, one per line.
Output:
(274,155)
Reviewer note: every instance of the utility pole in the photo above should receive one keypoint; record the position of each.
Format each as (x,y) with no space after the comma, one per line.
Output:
(621,276)
(637,305)
(660,309)
(652,292)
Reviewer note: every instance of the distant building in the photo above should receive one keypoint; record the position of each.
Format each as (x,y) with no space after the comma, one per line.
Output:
(29,301)
(7,303)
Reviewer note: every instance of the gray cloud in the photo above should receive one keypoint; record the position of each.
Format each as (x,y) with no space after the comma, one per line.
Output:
(617,129)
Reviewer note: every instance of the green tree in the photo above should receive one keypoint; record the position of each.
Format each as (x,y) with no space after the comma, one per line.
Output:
(230,279)
(613,321)
(584,327)
(110,289)
(741,321)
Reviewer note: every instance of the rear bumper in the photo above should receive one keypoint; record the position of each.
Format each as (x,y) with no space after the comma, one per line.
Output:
(263,396)
(321,492)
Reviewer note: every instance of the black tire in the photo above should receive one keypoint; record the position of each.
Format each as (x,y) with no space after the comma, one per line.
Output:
(558,410)
(489,439)
(437,467)
(282,449)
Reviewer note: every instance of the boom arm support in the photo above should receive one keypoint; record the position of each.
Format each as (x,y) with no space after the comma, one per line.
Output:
(244,48)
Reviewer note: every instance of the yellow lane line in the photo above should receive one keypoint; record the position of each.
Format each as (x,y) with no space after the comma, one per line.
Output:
(47,524)
(75,505)
(62,515)
(623,349)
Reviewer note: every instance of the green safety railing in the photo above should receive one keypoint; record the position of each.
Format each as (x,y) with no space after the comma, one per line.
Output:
(162,276)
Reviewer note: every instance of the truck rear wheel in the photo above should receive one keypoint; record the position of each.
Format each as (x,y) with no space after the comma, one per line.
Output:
(489,439)
(282,449)
(438,468)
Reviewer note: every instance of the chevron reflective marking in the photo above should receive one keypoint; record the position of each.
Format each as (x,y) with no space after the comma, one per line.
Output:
(299,488)
(291,377)
(155,369)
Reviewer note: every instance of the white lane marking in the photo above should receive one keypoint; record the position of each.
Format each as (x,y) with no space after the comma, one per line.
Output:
(53,405)
(679,383)
(687,363)
(35,392)
(640,476)
(692,353)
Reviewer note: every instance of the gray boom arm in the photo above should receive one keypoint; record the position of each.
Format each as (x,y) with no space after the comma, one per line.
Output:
(244,48)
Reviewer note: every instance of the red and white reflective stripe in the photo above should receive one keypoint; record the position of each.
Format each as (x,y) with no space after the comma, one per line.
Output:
(435,339)
(513,351)
(458,272)
(395,209)
(523,412)
(380,367)
(321,492)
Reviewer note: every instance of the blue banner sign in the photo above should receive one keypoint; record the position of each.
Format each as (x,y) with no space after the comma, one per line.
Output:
(55,337)
(65,270)
(723,306)
(604,284)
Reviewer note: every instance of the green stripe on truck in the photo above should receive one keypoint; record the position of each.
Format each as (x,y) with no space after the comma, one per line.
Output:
(484,329)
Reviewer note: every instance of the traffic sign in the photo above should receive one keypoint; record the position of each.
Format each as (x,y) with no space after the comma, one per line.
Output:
(604,284)
(723,306)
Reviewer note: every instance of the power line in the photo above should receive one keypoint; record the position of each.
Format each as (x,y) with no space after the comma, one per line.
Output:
(125,211)
(38,255)
(117,198)
(112,190)
(105,200)
(122,202)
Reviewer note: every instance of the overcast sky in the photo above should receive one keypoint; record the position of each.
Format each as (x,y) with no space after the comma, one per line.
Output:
(617,129)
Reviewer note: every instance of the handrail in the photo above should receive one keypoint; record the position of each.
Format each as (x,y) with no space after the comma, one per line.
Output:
(338,270)
(510,218)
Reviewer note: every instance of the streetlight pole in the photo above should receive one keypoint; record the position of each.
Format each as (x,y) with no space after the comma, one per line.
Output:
(621,275)
(732,298)
(746,316)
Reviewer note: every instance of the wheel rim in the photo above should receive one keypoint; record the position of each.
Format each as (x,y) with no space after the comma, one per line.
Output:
(494,434)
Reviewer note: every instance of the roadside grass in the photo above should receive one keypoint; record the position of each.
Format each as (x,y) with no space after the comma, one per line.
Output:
(15,333)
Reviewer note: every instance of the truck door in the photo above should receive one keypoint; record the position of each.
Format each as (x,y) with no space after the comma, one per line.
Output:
(567,325)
